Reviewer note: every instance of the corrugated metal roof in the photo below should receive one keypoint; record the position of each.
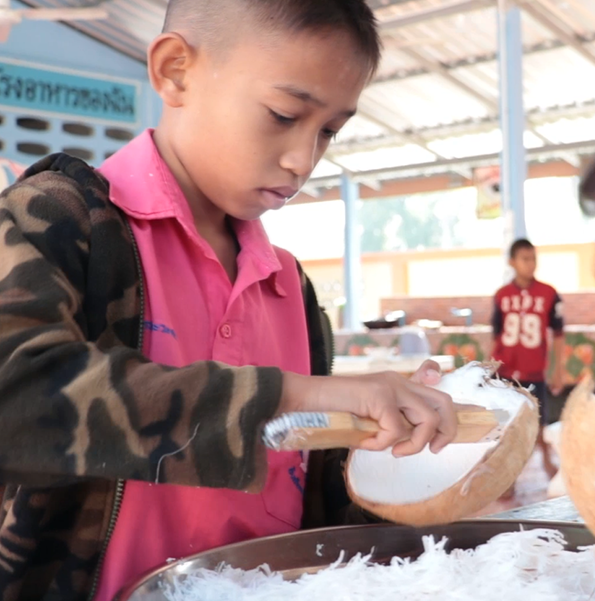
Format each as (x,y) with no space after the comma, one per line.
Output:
(436,93)
(438,85)
(131,24)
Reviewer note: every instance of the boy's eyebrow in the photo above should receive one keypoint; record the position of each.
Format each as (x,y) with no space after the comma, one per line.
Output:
(307,97)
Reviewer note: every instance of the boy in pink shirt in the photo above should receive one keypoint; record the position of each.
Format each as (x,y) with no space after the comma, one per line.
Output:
(149,329)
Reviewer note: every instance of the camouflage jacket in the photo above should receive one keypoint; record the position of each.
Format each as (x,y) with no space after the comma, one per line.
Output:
(81,409)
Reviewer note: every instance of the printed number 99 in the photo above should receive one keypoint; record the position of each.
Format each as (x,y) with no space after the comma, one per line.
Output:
(525,329)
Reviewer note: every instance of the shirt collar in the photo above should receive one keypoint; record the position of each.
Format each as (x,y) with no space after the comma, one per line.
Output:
(141,184)
(257,254)
(531,284)
(143,187)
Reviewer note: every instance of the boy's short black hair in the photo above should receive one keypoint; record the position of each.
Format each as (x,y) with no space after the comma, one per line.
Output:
(520,244)
(213,21)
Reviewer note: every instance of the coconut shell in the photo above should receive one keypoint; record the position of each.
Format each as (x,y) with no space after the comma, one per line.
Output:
(486,482)
(577,450)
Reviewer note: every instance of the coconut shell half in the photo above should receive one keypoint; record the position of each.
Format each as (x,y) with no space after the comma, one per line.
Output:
(577,450)
(493,474)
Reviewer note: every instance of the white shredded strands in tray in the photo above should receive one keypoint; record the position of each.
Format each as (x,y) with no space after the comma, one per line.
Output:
(520,566)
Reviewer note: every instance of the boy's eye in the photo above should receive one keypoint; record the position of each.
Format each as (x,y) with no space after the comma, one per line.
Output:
(330,134)
(327,133)
(282,118)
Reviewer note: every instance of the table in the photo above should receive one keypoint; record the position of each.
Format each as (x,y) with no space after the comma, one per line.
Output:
(555,510)
(403,364)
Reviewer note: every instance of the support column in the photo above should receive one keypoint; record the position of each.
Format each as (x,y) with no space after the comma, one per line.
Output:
(352,260)
(512,121)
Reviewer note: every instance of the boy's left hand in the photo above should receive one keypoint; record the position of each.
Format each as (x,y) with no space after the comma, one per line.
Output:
(557,383)
(428,373)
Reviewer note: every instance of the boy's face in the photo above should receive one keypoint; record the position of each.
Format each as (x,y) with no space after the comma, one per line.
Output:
(525,263)
(251,125)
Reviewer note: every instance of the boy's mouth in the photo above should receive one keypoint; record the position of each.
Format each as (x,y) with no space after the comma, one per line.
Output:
(277,197)
(285,192)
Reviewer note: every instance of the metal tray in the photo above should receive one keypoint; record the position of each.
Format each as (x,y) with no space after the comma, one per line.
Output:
(299,552)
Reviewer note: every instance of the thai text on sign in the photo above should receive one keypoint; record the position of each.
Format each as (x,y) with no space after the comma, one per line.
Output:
(67,93)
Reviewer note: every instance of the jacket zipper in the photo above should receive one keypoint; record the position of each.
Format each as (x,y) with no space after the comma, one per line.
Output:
(119,494)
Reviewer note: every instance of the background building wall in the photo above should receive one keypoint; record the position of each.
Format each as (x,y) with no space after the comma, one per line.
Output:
(27,134)
(427,284)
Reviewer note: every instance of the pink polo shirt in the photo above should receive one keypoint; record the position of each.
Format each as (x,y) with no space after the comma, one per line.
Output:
(194,313)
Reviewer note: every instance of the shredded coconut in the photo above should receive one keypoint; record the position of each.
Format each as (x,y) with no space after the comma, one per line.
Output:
(521,566)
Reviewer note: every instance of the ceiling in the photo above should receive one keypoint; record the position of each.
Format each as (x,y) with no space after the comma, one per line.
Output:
(433,107)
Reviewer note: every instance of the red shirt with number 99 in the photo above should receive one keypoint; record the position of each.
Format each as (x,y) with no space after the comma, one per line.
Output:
(521,320)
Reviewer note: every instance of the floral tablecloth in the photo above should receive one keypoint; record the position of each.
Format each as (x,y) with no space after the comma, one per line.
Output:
(474,344)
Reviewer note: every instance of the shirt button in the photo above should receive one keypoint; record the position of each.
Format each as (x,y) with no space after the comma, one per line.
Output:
(225,330)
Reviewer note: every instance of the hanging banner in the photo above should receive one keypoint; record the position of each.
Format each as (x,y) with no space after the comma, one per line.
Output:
(67,93)
(487,184)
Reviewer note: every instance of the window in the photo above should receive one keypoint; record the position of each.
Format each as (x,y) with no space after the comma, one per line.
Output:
(78,129)
(33,124)
(79,153)
(33,148)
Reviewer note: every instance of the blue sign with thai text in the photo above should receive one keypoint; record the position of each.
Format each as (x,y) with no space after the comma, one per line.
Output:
(67,93)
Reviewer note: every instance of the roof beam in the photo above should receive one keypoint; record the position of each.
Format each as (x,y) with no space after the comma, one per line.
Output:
(439,69)
(409,138)
(480,59)
(537,116)
(559,15)
(436,12)
(397,137)
(550,23)
(572,159)
(100,32)
(585,11)
(477,59)
(368,112)
(380,4)
(454,165)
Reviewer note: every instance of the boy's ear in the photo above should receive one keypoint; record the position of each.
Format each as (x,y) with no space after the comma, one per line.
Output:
(511,262)
(168,59)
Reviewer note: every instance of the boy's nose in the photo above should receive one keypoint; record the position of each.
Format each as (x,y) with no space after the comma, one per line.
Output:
(301,159)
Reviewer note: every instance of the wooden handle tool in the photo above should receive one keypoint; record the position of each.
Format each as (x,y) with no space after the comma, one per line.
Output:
(331,430)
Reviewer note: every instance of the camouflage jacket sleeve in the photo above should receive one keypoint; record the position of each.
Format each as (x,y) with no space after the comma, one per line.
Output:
(75,401)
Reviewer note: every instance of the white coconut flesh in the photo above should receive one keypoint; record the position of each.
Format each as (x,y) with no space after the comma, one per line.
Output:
(379,477)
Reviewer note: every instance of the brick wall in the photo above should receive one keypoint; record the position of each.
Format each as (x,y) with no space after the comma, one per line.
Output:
(579,308)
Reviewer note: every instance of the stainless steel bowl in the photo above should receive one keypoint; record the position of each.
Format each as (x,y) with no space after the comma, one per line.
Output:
(294,554)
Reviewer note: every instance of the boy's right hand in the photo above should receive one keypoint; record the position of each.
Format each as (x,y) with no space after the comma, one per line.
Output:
(385,397)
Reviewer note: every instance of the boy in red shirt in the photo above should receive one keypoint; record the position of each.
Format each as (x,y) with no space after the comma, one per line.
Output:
(524,310)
